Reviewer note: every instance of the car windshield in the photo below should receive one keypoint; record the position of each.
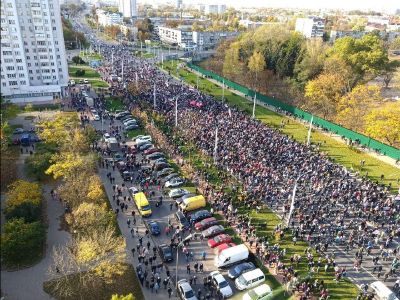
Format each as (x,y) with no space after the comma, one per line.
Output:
(252,294)
(242,281)
(146,207)
(189,294)
(223,284)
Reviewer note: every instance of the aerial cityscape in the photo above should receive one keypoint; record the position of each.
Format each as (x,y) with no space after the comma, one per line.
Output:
(200,150)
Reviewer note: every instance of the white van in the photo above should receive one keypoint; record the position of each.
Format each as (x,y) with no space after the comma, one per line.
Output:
(262,292)
(231,256)
(250,279)
(382,292)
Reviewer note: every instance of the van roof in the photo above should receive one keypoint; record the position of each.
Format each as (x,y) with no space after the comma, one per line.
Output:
(112,140)
(253,273)
(234,249)
(140,197)
(263,289)
(381,289)
(186,200)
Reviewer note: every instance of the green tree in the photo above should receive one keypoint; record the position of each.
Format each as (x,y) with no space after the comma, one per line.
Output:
(389,71)
(21,242)
(366,56)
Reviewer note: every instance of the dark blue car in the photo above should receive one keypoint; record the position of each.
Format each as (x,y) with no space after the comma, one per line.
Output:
(154,228)
(239,269)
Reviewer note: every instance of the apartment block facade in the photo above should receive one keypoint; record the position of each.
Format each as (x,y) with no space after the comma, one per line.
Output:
(33,60)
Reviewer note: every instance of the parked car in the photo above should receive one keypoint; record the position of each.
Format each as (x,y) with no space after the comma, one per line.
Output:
(174,182)
(154,227)
(130,122)
(18,130)
(262,292)
(204,224)
(220,283)
(165,253)
(142,137)
(239,269)
(155,155)
(150,151)
(126,175)
(106,136)
(160,160)
(180,217)
(200,215)
(213,231)
(185,291)
(132,190)
(120,115)
(161,165)
(164,172)
(174,193)
(96,117)
(219,239)
(85,81)
(131,127)
(170,176)
(145,146)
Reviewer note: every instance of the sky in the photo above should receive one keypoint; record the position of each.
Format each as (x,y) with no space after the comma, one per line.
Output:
(380,5)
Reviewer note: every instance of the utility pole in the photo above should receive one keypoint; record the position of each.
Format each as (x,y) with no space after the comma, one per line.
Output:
(176,111)
(154,97)
(216,145)
(254,106)
(309,131)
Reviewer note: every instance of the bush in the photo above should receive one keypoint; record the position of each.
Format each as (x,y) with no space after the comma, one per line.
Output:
(39,162)
(79,72)
(21,242)
(77,60)
(24,200)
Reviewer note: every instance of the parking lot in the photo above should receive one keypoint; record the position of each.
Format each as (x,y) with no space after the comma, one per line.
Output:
(164,215)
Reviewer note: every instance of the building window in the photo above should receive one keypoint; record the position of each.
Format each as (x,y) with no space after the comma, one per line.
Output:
(13,83)
(11,76)
(20,68)
(4,84)
(22,82)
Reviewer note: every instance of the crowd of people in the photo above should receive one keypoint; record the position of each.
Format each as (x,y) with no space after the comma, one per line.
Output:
(333,208)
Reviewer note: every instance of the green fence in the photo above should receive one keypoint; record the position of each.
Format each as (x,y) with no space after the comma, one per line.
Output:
(322,123)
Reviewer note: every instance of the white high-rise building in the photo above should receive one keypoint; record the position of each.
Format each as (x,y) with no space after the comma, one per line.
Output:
(179,4)
(33,61)
(310,27)
(127,8)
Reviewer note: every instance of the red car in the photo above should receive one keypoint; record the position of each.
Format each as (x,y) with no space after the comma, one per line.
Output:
(203,224)
(224,246)
(150,151)
(218,240)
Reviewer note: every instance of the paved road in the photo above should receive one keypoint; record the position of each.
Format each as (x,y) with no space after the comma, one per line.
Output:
(162,215)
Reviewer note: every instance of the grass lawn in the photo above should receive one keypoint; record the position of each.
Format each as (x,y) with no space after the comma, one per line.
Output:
(135,132)
(9,158)
(123,285)
(337,151)
(143,54)
(89,72)
(114,103)
(91,56)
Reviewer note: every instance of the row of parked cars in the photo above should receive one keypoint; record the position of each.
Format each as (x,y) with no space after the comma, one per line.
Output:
(127,119)
(192,214)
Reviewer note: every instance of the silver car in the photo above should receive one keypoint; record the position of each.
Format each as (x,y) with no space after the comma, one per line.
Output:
(185,291)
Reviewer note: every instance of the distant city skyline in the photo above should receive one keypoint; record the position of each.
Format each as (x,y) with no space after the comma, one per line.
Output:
(386,5)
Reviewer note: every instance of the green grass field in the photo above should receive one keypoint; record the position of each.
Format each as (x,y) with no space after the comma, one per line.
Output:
(90,74)
(114,103)
(90,56)
(336,150)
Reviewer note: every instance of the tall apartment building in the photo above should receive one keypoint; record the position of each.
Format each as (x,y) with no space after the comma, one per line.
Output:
(33,60)
(214,9)
(107,19)
(179,4)
(310,27)
(127,8)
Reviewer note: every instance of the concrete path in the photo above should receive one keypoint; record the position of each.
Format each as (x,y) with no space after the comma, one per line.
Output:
(28,283)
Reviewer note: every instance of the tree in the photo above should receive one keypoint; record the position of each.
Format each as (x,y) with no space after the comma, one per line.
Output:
(256,64)
(24,200)
(21,242)
(232,64)
(395,44)
(366,56)
(337,66)
(354,106)
(89,217)
(78,61)
(122,297)
(95,260)
(71,165)
(323,93)
(388,72)
(383,123)
(58,128)
(82,187)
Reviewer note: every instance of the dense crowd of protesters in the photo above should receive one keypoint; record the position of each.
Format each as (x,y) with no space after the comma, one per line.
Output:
(332,207)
